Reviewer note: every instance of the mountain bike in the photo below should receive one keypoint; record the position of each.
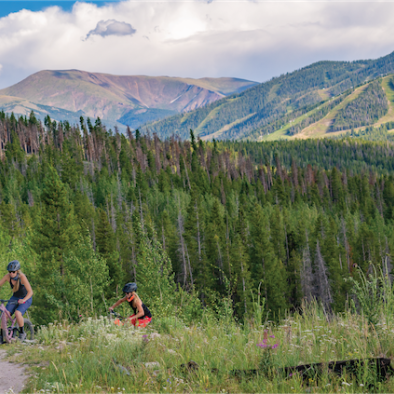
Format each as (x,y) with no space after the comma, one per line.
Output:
(9,326)
(117,319)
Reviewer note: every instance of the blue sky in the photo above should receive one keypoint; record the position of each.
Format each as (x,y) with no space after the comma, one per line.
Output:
(6,7)
(250,39)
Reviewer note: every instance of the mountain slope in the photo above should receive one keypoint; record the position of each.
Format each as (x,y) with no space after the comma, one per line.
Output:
(367,107)
(250,113)
(130,100)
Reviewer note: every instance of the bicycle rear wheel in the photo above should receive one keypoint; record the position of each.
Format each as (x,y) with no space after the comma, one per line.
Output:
(7,336)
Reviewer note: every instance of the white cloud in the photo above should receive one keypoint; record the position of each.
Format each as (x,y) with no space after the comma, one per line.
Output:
(1,66)
(247,39)
(112,28)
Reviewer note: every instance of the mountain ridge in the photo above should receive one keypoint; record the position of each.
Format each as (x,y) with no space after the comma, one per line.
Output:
(250,114)
(115,98)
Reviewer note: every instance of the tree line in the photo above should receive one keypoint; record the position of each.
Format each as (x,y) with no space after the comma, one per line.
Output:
(86,209)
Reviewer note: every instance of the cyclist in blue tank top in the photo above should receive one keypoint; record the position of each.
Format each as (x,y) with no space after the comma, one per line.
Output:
(22,294)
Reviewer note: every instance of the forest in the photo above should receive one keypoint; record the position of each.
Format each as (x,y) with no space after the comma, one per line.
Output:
(87,209)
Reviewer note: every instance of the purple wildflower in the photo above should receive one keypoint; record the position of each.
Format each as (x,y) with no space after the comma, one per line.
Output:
(272,336)
(145,338)
(275,346)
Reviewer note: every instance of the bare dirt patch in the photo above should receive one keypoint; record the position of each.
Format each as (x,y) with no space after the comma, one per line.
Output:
(12,376)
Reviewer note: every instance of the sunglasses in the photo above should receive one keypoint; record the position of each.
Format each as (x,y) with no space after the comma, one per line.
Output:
(12,272)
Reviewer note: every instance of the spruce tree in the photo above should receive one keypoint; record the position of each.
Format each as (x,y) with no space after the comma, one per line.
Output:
(266,268)
(56,230)
(106,247)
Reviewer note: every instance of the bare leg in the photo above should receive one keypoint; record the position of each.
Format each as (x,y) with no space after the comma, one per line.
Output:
(19,319)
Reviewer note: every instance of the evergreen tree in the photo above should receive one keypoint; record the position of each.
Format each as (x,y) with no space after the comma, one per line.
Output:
(266,268)
(106,247)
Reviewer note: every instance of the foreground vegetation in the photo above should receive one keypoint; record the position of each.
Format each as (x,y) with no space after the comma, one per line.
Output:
(97,356)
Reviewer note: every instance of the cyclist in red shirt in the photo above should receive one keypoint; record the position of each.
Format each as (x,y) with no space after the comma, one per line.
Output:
(142,316)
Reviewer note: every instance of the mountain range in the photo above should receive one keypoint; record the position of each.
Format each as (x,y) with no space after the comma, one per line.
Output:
(121,100)
(323,99)
(270,110)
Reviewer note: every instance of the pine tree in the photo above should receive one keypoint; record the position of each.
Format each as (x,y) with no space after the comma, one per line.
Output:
(56,231)
(241,267)
(106,247)
(307,275)
(322,286)
(154,276)
(266,268)
(9,220)
(55,237)
(194,232)
(215,246)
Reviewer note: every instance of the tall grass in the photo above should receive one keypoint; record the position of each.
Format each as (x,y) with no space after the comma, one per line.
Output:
(97,356)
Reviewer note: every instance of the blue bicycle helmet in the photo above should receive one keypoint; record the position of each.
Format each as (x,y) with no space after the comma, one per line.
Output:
(14,265)
(130,287)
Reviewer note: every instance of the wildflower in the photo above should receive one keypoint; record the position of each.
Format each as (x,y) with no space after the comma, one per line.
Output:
(275,346)
(361,385)
(346,384)
(272,336)
(262,345)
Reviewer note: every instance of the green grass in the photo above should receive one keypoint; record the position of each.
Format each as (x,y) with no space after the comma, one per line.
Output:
(97,356)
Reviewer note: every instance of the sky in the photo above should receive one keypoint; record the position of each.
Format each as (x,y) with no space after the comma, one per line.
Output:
(249,39)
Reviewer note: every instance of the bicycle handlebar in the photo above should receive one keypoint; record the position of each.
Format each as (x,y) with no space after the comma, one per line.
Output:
(10,302)
(116,314)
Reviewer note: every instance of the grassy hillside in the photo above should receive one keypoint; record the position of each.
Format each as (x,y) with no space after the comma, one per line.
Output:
(248,114)
(131,100)
(369,106)
(96,356)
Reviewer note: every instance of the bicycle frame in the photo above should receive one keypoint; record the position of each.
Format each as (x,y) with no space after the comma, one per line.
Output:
(4,310)
(7,314)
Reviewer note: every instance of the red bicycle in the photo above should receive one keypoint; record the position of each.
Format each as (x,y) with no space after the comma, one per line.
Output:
(9,327)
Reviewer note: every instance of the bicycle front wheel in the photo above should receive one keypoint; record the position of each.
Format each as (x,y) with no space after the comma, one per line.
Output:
(29,329)
(7,336)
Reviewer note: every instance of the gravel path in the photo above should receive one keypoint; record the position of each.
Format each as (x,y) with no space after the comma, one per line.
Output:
(12,376)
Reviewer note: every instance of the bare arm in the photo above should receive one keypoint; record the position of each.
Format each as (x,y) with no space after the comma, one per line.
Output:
(117,303)
(26,283)
(6,278)
(141,312)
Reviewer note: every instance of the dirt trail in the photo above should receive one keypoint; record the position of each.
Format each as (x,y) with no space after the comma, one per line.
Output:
(12,376)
